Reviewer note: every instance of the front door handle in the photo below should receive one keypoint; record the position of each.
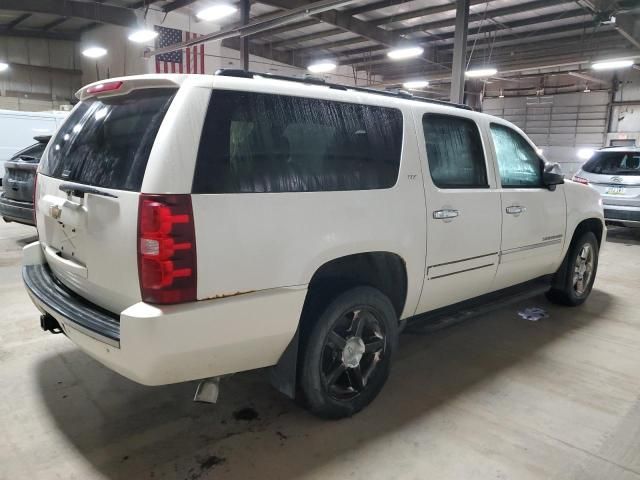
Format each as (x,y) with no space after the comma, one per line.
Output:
(445,214)
(516,210)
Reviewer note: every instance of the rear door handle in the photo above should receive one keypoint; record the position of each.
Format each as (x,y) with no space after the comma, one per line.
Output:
(445,214)
(516,210)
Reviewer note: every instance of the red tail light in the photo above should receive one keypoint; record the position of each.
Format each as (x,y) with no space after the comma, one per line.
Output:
(581,180)
(166,249)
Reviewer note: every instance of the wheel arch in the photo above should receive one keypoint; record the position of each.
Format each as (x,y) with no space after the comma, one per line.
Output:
(383,270)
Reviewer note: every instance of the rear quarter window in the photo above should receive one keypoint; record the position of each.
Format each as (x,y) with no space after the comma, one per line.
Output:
(106,142)
(254,143)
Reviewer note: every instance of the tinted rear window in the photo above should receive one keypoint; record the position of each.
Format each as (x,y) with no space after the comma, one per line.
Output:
(106,142)
(614,163)
(31,153)
(272,143)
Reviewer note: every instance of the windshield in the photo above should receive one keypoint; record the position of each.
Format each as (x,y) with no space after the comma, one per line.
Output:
(106,142)
(614,163)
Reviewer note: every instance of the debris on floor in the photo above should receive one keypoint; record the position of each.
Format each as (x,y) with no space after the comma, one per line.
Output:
(533,314)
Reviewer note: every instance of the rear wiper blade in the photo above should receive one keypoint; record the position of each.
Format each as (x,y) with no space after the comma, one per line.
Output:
(27,157)
(81,190)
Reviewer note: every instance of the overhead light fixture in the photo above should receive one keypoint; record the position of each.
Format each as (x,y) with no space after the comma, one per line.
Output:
(94,52)
(587,90)
(3,66)
(216,12)
(405,52)
(415,84)
(322,66)
(143,35)
(585,153)
(612,64)
(481,72)
(501,94)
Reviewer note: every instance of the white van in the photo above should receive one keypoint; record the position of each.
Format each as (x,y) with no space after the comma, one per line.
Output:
(17,130)
(195,226)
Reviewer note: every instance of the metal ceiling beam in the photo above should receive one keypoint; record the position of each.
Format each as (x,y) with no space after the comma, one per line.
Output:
(485,29)
(176,5)
(485,15)
(269,22)
(264,52)
(533,40)
(589,78)
(475,17)
(344,21)
(18,20)
(97,12)
(628,25)
(306,38)
(390,19)
(32,33)
(54,23)
(140,4)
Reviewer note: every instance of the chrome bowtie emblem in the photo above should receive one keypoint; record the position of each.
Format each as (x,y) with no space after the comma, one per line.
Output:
(55,211)
(616,179)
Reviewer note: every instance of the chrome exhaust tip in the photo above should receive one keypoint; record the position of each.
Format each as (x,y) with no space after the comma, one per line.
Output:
(207,390)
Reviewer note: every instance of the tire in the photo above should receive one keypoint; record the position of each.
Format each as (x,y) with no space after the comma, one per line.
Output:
(347,355)
(581,262)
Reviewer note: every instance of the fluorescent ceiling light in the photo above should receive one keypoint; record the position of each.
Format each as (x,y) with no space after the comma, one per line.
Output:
(413,84)
(322,66)
(94,52)
(611,64)
(143,35)
(406,52)
(481,72)
(585,153)
(3,66)
(216,12)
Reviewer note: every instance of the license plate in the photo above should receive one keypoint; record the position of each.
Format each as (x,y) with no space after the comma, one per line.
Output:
(615,190)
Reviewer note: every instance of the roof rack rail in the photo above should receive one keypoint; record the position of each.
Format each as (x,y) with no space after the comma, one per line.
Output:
(231,72)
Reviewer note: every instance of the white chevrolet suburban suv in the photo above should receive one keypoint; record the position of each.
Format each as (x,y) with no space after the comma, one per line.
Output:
(195,226)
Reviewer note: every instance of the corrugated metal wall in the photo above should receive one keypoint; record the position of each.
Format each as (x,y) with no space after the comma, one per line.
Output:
(43,73)
(559,124)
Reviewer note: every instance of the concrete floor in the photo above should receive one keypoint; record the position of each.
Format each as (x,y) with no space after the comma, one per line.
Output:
(494,398)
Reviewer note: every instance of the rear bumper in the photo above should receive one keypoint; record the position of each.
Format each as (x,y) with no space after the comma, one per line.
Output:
(622,215)
(16,211)
(158,345)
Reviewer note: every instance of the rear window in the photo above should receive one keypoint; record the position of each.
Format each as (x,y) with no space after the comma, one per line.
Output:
(614,163)
(255,142)
(106,142)
(31,153)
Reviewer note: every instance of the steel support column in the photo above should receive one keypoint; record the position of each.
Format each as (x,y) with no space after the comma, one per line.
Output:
(459,51)
(245,7)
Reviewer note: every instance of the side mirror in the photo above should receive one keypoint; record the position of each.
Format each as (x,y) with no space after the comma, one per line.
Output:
(552,175)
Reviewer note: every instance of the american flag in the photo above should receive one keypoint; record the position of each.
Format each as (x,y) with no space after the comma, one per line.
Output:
(185,60)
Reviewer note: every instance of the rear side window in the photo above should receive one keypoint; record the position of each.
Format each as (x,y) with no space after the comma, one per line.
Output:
(518,163)
(614,163)
(454,152)
(254,142)
(106,142)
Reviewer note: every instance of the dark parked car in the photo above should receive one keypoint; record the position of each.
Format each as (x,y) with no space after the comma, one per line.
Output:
(16,202)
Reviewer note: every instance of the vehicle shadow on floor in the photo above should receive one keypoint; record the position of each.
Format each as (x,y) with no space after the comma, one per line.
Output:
(627,236)
(129,431)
